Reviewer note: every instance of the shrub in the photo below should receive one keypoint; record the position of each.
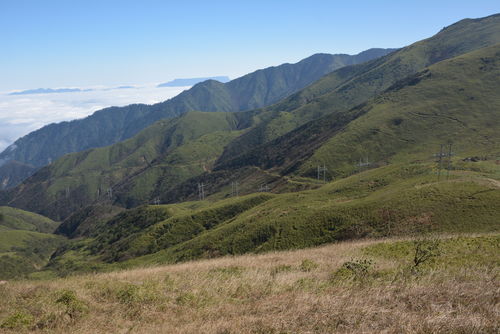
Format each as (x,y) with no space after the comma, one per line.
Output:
(308,265)
(73,306)
(17,320)
(425,250)
(356,269)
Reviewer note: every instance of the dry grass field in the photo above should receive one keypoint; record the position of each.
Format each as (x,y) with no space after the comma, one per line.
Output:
(436,285)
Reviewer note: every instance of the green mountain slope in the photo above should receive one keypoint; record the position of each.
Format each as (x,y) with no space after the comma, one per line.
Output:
(115,124)
(16,219)
(26,242)
(352,85)
(395,200)
(400,193)
(170,158)
(453,101)
(127,173)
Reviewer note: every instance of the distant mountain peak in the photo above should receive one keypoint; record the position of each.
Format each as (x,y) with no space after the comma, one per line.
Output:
(192,81)
(49,91)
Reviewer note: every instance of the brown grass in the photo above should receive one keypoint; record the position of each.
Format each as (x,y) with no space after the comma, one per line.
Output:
(286,292)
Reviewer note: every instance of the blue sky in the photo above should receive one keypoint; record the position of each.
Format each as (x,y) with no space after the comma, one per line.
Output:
(55,43)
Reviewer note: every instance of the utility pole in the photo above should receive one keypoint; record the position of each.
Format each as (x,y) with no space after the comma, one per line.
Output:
(156,201)
(264,188)
(110,193)
(67,192)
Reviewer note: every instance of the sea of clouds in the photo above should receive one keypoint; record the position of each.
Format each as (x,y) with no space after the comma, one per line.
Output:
(21,114)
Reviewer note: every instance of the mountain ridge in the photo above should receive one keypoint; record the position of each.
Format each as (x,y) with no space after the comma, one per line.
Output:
(114,124)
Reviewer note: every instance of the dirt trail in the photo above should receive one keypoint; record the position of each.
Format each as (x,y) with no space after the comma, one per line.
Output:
(494,182)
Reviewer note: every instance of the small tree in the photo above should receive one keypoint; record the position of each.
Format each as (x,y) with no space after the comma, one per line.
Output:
(425,250)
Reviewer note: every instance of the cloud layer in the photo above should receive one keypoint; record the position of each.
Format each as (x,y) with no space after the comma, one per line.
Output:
(21,114)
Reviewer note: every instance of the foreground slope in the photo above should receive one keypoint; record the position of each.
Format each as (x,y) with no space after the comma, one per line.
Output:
(115,124)
(352,287)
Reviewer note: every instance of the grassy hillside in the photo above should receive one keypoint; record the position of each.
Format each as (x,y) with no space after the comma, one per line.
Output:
(352,85)
(128,173)
(83,221)
(114,124)
(17,219)
(451,102)
(394,200)
(351,287)
(26,242)
(169,159)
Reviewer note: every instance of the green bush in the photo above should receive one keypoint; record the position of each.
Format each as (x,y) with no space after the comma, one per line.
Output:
(17,320)
(308,265)
(73,306)
(425,250)
(356,269)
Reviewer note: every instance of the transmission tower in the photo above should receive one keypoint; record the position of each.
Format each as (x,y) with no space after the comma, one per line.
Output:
(322,171)
(449,162)
(444,157)
(234,188)
(201,191)
(364,163)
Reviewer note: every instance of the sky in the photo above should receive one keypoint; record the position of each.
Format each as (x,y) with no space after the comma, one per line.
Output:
(62,43)
(86,42)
